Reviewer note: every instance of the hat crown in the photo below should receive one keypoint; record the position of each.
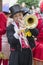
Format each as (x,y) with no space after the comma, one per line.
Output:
(15,9)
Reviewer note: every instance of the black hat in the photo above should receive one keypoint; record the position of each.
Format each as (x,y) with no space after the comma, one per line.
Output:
(15,9)
(26,10)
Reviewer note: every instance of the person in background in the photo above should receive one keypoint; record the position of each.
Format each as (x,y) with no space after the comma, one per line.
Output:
(6,11)
(26,10)
(38,51)
(5,45)
(41,8)
(3,21)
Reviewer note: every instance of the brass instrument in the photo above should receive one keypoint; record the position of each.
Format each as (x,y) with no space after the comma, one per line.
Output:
(30,21)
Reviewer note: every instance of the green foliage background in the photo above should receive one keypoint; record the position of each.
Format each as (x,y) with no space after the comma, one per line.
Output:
(29,3)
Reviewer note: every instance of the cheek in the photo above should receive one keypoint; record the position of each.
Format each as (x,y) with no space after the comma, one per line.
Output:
(15,19)
(21,17)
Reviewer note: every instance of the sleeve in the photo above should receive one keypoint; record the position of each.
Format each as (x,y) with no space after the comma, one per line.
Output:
(2,29)
(34,32)
(31,42)
(31,39)
(10,35)
(3,21)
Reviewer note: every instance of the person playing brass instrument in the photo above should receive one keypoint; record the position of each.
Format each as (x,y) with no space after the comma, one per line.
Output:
(20,45)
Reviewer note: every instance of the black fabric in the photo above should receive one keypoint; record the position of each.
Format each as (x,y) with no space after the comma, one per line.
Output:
(14,43)
(13,60)
(25,57)
(31,42)
(34,32)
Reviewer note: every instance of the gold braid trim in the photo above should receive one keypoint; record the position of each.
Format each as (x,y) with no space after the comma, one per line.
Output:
(1,55)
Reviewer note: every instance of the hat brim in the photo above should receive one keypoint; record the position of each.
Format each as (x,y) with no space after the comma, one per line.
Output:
(7,12)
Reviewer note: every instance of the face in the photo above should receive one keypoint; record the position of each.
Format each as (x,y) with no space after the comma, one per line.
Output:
(18,16)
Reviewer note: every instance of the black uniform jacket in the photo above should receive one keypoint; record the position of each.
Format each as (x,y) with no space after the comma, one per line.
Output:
(15,43)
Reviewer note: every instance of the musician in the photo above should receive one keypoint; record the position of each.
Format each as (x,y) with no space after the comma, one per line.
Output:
(38,53)
(20,46)
(5,46)
(3,20)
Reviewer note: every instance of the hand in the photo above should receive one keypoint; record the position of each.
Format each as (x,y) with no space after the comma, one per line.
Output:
(35,38)
(21,23)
